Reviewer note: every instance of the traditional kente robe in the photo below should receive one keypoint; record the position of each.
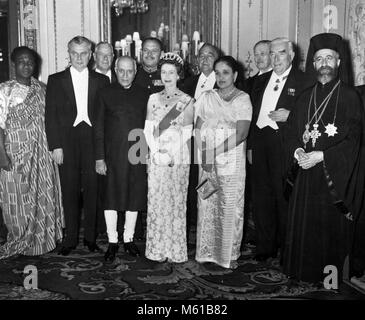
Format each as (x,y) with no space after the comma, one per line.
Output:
(318,232)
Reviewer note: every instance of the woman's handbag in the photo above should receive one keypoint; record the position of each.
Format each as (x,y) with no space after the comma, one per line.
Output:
(208,186)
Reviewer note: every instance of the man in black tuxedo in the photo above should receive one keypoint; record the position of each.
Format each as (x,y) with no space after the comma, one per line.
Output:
(195,86)
(70,108)
(272,97)
(261,52)
(103,57)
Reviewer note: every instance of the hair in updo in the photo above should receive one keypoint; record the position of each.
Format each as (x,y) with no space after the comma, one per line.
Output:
(230,61)
(172,58)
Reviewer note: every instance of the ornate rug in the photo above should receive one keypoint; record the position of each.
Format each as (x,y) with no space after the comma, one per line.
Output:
(84,276)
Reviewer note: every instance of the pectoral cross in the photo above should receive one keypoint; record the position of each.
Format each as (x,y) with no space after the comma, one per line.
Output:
(315,134)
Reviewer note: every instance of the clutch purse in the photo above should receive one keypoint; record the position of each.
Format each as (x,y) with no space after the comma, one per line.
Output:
(206,188)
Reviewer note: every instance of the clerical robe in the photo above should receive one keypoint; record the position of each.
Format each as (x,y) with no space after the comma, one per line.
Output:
(121,111)
(319,234)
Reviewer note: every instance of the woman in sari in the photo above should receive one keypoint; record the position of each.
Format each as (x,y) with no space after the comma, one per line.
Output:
(30,194)
(168,127)
(222,122)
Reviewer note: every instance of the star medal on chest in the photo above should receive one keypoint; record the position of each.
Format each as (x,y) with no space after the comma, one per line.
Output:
(331,129)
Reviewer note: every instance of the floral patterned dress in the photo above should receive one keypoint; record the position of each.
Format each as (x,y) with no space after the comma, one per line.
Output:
(168,178)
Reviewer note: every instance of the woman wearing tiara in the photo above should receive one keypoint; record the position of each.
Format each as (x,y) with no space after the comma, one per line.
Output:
(168,128)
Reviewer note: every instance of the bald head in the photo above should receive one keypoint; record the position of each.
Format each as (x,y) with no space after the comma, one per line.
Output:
(125,69)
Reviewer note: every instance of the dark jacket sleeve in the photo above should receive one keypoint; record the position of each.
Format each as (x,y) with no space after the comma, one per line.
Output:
(98,128)
(51,111)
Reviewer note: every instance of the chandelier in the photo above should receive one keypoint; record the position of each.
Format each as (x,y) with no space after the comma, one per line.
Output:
(135,6)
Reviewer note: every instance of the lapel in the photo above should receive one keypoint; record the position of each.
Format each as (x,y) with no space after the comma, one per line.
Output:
(91,90)
(289,93)
(258,92)
(195,84)
(67,84)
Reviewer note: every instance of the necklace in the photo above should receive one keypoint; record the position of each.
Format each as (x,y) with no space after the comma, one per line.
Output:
(331,129)
(225,96)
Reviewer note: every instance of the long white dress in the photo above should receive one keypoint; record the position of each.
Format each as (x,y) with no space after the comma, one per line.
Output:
(220,217)
(168,185)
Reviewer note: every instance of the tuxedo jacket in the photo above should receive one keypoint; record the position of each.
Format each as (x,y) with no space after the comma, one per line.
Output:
(295,84)
(61,109)
(189,85)
(249,83)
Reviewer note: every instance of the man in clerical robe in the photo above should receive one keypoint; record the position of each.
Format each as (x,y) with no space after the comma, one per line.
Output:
(326,130)
(121,113)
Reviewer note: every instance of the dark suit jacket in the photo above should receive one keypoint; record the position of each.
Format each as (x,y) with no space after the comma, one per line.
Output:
(249,83)
(296,83)
(189,85)
(61,109)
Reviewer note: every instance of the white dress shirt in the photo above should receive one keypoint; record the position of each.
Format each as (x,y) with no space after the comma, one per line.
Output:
(80,82)
(270,99)
(204,84)
(108,74)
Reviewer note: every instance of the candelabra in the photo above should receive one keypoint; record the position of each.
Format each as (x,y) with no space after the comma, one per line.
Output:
(135,6)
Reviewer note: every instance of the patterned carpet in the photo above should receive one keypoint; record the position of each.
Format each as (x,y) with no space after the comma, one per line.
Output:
(84,276)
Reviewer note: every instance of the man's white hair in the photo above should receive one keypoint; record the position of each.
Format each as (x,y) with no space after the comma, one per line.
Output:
(283,40)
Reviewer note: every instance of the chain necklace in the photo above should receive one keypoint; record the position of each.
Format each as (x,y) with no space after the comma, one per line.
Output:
(331,129)
(225,96)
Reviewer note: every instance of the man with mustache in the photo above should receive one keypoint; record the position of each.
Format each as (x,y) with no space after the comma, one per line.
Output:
(326,130)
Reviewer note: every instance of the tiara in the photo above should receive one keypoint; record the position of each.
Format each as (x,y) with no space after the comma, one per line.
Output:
(172,57)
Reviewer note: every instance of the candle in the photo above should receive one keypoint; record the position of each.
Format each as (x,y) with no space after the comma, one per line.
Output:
(184,49)
(167,38)
(136,36)
(196,39)
(129,41)
(123,44)
(138,50)
(176,48)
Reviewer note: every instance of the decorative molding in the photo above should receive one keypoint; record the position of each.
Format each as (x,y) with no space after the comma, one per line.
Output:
(29,24)
(105,25)
(261,19)
(238,28)
(82,3)
(55,31)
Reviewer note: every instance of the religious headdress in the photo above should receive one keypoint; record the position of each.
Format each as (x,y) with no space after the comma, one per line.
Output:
(334,42)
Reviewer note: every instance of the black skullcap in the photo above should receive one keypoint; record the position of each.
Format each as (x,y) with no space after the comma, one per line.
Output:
(334,42)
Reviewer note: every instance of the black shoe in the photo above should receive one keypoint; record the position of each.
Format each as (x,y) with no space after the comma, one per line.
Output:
(111,252)
(131,249)
(65,251)
(263,257)
(92,246)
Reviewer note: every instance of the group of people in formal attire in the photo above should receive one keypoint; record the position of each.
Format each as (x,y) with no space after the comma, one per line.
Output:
(138,140)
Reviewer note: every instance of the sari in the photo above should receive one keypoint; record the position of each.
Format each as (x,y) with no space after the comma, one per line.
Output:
(220,216)
(30,193)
